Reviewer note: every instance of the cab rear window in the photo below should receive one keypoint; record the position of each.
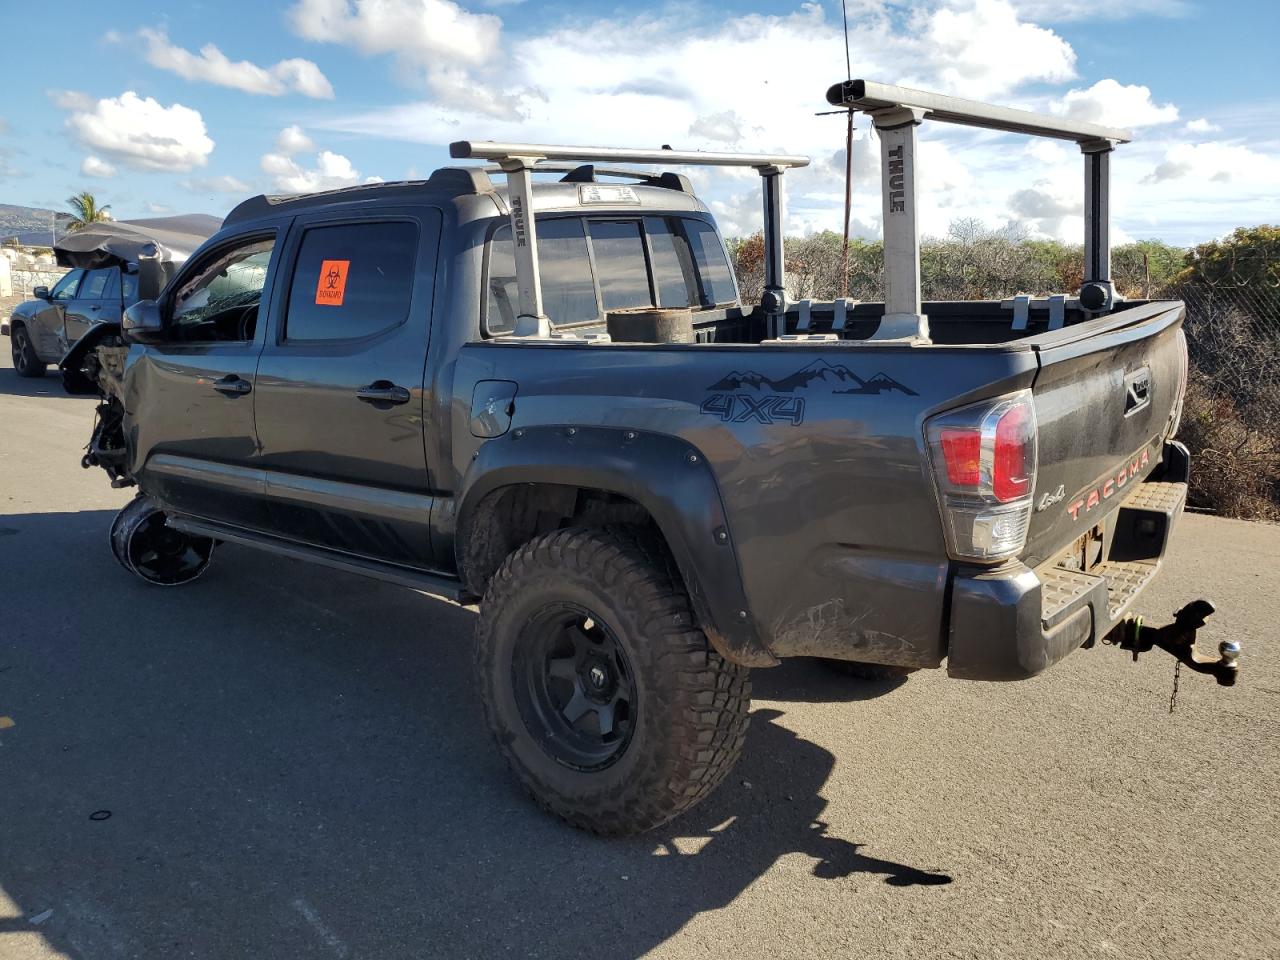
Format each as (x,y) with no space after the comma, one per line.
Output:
(590,266)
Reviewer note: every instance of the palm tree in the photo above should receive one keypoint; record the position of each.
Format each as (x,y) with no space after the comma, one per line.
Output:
(84,206)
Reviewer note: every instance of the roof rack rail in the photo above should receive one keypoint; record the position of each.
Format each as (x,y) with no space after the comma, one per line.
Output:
(588,172)
(896,112)
(519,161)
(455,181)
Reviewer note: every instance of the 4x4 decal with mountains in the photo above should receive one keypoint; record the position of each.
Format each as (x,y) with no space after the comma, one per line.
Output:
(746,396)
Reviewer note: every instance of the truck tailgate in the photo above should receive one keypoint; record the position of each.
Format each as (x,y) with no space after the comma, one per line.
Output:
(1106,397)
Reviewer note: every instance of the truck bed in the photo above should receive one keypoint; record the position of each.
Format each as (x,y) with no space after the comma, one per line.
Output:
(820,456)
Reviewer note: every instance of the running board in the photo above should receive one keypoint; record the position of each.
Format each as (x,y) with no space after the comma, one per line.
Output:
(436,584)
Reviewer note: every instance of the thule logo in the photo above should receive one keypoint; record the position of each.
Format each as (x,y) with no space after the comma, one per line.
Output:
(897,181)
(517,208)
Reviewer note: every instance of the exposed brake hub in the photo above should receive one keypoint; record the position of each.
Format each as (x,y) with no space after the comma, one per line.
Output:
(1179,640)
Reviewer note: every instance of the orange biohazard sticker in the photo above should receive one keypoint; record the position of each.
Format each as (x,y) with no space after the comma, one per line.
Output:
(333,283)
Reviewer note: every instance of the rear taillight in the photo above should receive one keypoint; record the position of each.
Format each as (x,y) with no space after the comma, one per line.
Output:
(984,463)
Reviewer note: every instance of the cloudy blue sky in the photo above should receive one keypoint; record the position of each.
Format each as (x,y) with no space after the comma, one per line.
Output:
(160,107)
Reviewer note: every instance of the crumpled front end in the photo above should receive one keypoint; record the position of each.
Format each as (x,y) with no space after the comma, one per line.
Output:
(95,364)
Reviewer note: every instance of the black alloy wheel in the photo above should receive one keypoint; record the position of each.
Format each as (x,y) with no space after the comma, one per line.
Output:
(25,361)
(574,687)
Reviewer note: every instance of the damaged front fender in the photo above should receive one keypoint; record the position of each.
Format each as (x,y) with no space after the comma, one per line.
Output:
(95,365)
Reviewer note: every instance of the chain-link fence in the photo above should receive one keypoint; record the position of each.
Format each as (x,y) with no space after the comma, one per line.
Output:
(1231,419)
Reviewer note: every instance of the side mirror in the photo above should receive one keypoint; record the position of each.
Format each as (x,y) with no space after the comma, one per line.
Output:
(143,323)
(40,293)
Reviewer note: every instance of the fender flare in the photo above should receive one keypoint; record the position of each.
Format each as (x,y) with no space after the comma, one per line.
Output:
(665,475)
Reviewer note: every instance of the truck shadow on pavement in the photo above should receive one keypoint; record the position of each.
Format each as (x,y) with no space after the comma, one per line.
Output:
(282,760)
(48,387)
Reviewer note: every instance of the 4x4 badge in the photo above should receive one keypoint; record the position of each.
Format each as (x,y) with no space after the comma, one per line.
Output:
(746,396)
(1049,499)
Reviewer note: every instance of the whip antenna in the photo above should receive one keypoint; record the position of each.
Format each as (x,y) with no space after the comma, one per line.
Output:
(848,163)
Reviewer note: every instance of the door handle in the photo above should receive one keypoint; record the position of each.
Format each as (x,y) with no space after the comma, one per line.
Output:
(232,385)
(95,307)
(383,392)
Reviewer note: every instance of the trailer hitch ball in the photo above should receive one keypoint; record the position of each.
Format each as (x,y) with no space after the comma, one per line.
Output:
(1178,639)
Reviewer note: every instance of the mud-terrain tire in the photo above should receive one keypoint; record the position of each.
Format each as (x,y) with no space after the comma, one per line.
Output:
(146,547)
(587,615)
(25,361)
(874,672)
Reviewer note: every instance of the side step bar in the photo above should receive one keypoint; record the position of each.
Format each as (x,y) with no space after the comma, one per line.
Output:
(436,584)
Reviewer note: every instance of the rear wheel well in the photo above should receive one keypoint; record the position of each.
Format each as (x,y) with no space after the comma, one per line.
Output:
(511,516)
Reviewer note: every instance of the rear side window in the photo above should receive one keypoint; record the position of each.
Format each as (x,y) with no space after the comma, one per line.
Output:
(620,264)
(568,290)
(631,259)
(352,280)
(708,252)
(97,283)
(673,272)
(130,282)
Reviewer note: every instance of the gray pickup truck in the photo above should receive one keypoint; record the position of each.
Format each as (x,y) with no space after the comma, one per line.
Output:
(545,395)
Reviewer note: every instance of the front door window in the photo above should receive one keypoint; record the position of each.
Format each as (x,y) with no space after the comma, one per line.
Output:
(65,289)
(218,303)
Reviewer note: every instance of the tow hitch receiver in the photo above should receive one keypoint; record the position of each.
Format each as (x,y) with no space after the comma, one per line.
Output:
(1179,640)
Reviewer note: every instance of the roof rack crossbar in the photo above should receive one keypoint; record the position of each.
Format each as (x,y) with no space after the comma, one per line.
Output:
(519,161)
(868,96)
(896,112)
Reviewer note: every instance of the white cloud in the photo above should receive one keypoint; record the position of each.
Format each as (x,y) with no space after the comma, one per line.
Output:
(725,127)
(292,140)
(676,75)
(220,184)
(71,99)
(96,167)
(1217,162)
(4,127)
(138,131)
(434,41)
(158,208)
(1200,125)
(211,65)
(331,171)
(1063,11)
(1115,104)
(982,49)
(1048,210)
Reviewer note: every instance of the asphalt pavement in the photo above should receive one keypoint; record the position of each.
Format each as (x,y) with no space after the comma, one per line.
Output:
(283,761)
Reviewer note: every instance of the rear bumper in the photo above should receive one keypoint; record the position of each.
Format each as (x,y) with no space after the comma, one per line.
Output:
(1013,622)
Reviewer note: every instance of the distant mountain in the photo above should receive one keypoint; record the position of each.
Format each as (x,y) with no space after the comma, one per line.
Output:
(31,225)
